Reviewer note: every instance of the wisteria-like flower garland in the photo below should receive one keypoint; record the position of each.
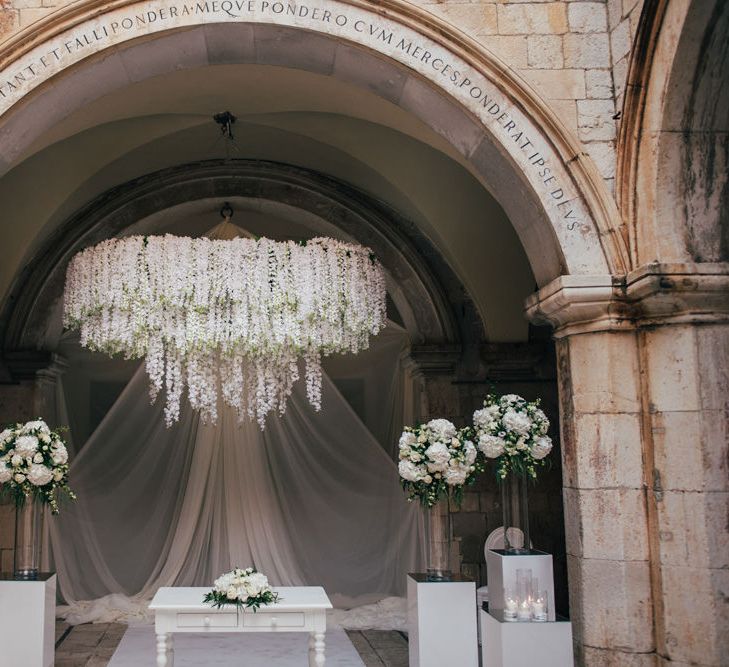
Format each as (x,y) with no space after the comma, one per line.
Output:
(437,461)
(226,319)
(514,432)
(33,463)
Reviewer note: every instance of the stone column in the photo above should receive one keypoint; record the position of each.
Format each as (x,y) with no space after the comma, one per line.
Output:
(643,365)
(684,344)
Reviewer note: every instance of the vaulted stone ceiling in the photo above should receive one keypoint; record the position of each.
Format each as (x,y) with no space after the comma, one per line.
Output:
(286,116)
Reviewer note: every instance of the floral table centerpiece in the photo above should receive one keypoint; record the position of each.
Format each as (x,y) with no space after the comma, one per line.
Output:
(513,432)
(244,588)
(34,471)
(436,462)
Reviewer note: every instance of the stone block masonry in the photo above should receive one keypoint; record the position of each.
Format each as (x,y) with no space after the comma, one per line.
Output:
(570,52)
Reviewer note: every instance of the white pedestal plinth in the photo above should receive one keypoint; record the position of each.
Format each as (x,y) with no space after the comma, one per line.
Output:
(501,573)
(441,622)
(525,644)
(27,622)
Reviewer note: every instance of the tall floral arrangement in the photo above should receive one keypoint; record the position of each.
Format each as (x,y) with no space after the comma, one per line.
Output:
(437,461)
(514,432)
(226,319)
(34,464)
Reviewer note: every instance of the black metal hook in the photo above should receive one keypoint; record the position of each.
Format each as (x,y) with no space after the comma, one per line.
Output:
(227,211)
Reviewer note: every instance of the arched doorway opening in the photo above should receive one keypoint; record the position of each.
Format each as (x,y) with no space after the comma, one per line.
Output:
(500,189)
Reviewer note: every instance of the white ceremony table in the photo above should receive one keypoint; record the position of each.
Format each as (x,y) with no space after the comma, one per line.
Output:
(299,609)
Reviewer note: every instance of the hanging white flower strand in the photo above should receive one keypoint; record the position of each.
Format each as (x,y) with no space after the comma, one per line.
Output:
(226,319)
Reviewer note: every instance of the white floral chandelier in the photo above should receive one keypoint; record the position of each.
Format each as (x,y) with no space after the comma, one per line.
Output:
(228,319)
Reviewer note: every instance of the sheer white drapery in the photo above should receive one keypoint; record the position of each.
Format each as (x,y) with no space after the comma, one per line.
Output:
(314,499)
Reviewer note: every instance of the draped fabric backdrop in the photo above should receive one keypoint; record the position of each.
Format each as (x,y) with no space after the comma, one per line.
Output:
(313,499)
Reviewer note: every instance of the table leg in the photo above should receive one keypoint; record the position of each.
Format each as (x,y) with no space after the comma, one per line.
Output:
(319,647)
(162,650)
(312,643)
(170,650)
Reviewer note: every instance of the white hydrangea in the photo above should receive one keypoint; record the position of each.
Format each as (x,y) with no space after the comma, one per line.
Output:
(6,473)
(256,584)
(456,475)
(517,421)
(438,457)
(407,439)
(491,446)
(442,429)
(5,435)
(37,425)
(26,446)
(482,418)
(39,475)
(470,451)
(541,447)
(59,453)
(408,471)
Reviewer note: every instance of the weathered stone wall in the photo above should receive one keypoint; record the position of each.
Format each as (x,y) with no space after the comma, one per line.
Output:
(623,17)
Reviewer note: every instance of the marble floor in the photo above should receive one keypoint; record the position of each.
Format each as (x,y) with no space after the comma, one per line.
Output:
(92,645)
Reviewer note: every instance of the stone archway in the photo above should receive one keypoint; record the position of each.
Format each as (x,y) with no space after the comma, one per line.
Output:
(563,213)
(561,209)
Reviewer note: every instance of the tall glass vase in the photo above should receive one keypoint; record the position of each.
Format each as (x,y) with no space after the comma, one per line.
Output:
(515,507)
(28,536)
(440,537)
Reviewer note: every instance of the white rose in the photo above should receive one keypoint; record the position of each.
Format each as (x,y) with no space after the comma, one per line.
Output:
(541,447)
(231,593)
(6,474)
(491,446)
(39,475)
(38,458)
(408,471)
(44,438)
(517,421)
(16,460)
(407,439)
(26,445)
(57,475)
(59,453)
(19,477)
(456,475)
(416,456)
(427,479)
(441,429)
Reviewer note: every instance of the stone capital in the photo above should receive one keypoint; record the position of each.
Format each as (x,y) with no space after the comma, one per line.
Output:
(30,365)
(580,304)
(651,295)
(434,359)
